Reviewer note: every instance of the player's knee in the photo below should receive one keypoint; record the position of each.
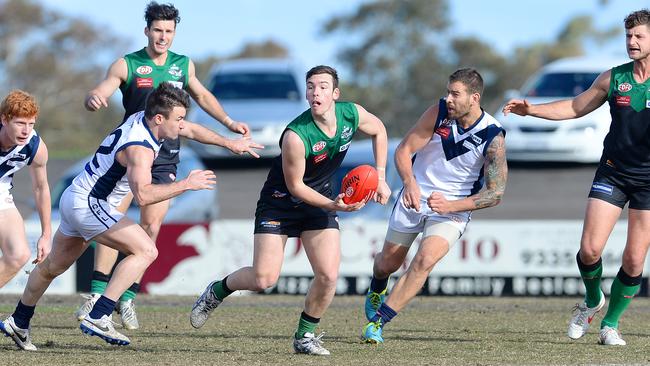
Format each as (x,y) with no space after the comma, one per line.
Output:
(264,281)
(50,270)
(326,279)
(422,263)
(589,254)
(16,260)
(150,253)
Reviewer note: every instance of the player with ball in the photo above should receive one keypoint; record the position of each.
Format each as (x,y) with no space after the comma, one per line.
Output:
(458,147)
(297,201)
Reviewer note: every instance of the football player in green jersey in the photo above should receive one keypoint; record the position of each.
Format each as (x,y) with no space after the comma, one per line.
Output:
(297,201)
(136,75)
(622,177)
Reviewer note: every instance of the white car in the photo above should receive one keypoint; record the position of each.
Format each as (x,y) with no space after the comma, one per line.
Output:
(575,140)
(266,94)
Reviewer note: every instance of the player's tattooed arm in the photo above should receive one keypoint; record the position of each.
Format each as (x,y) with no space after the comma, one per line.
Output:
(496,174)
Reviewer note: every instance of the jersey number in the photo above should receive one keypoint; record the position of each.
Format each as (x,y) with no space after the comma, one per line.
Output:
(105,150)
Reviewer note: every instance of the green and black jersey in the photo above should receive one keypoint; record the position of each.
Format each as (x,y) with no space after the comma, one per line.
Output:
(142,78)
(627,145)
(323,155)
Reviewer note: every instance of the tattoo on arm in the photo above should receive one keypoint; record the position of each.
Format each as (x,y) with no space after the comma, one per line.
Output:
(496,174)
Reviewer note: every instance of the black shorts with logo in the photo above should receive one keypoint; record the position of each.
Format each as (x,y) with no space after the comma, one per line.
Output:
(284,218)
(163,174)
(612,187)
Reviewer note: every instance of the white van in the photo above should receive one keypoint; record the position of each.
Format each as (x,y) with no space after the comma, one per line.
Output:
(266,94)
(576,140)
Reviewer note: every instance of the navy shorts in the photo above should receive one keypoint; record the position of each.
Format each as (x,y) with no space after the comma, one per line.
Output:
(292,222)
(611,187)
(163,174)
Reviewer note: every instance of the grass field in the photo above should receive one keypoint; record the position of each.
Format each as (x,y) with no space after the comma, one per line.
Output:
(256,330)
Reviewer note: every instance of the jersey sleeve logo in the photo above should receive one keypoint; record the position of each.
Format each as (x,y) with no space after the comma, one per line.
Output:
(144,70)
(347,132)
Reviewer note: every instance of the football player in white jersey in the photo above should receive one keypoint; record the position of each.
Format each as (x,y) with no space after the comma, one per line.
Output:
(457,147)
(88,208)
(21,146)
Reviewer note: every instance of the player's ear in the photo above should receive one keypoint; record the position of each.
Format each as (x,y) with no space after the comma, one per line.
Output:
(146,31)
(336,94)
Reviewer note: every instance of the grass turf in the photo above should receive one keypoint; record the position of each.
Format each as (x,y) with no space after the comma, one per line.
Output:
(256,330)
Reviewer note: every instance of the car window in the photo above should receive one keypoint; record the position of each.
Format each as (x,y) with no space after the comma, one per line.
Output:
(561,84)
(255,85)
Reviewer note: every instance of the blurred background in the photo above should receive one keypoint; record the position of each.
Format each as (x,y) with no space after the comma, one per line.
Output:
(393,56)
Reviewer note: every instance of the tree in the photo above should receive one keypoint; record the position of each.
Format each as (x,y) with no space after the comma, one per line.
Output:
(58,59)
(405,53)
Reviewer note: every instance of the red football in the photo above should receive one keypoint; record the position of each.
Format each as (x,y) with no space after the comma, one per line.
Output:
(358,182)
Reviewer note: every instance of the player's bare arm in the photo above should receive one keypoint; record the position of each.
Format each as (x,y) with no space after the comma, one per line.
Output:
(209,103)
(98,97)
(38,173)
(582,104)
(293,168)
(414,140)
(374,127)
(496,176)
(138,161)
(204,135)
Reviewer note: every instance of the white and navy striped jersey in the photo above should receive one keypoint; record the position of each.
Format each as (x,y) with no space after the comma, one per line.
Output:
(452,161)
(16,158)
(104,177)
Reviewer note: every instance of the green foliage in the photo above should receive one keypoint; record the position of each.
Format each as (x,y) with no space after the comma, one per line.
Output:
(403,52)
(58,59)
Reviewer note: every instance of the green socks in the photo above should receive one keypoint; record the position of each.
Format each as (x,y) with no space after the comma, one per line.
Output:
(623,290)
(221,290)
(99,282)
(591,275)
(131,292)
(306,324)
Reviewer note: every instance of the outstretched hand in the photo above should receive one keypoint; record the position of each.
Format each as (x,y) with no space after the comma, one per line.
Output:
(201,179)
(339,205)
(240,128)
(517,106)
(244,146)
(94,102)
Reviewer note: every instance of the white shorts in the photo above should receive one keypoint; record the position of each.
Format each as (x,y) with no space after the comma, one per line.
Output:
(405,224)
(85,216)
(6,200)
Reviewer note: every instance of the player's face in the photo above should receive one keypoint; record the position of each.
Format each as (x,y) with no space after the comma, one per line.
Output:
(638,42)
(171,126)
(160,35)
(321,93)
(18,129)
(459,100)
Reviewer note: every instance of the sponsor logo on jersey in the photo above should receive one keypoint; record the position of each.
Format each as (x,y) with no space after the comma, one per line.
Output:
(477,140)
(270,223)
(144,70)
(345,147)
(625,87)
(21,156)
(623,100)
(602,188)
(347,133)
(319,158)
(175,71)
(144,82)
(319,146)
(177,84)
(443,131)
(278,194)
(468,144)
(446,122)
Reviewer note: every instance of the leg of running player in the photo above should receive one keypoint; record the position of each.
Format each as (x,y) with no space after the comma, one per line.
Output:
(13,244)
